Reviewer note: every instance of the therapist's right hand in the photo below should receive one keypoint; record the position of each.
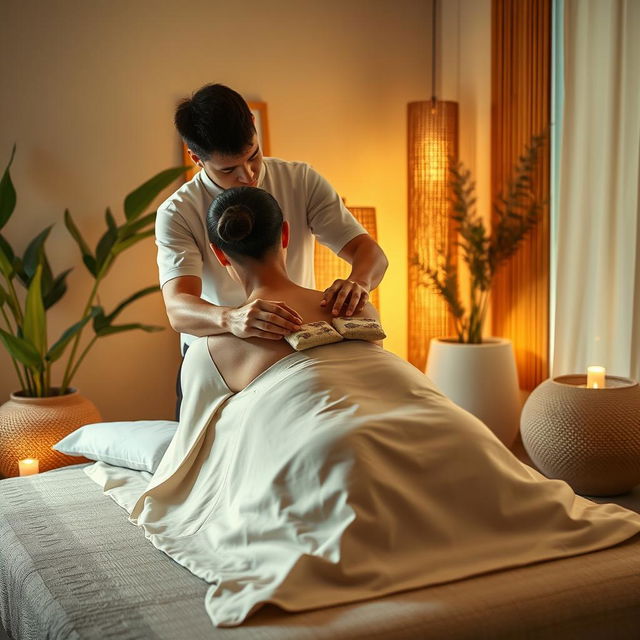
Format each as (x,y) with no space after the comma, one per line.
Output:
(263,319)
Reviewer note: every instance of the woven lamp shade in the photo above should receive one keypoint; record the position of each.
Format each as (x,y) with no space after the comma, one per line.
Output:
(328,267)
(432,146)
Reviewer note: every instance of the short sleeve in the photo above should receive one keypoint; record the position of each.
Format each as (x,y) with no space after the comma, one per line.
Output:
(178,252)
(329,220)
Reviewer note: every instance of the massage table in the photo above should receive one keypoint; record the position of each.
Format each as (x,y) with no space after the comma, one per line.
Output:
(73,567)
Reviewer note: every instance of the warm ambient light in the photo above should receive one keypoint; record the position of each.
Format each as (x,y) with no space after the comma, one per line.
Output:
(28,466)
(328,267)
(596,377)
(432,147)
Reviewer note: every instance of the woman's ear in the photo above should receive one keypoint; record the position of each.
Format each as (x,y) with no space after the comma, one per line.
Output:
(285,234)
(222,259)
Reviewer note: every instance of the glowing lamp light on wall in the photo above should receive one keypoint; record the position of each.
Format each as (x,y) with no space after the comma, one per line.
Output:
(435,153)
(432,147)
(328,266)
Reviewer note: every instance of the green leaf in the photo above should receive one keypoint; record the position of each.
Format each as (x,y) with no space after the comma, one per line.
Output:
(130,299)
(47,276)
(3,296)
(6,266)
(133,226)
(119,247)
(77,236)
(104,246)
(19,270)
(10,303)
(90,263)
(110,220)
(22,350)
(139,199)
(35,322)
(99,319)
(7,193)
(33,254)
(5,248)
(111,329)
(57,289)
(58,348)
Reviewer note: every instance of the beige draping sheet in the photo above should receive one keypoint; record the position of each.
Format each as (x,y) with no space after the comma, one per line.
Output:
(342,474)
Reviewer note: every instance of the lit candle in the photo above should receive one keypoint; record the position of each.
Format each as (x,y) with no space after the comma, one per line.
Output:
(28,466)
(596,377)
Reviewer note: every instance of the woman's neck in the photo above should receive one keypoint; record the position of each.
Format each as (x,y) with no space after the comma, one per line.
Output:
(265,279)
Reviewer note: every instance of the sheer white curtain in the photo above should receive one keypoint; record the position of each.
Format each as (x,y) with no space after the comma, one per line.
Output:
(597,301)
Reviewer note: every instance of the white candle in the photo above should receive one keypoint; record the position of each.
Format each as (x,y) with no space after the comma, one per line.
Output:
(596,377)
(28,466)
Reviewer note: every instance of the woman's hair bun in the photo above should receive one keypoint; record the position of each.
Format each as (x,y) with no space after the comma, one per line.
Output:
(245,222)
(235,224)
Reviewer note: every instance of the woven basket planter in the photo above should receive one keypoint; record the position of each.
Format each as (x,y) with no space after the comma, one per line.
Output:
(590,438)
(29,426)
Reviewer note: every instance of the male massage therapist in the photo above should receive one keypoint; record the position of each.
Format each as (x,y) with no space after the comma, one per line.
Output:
(200,295)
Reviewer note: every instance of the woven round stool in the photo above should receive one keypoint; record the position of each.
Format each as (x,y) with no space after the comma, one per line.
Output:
(590,438)
(29,426)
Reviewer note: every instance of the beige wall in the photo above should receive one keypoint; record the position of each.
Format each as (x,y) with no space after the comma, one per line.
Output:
(467,62)
(88,94)
(89,90)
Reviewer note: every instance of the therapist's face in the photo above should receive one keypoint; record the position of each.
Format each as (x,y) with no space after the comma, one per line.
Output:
(235,171)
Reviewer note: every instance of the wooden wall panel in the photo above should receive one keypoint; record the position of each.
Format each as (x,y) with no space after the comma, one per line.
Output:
(521,107)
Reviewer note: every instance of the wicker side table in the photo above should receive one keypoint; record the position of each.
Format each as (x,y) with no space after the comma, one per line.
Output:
(589,438)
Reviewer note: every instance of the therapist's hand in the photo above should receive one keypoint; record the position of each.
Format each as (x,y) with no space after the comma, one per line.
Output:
(345,297)
(263,319)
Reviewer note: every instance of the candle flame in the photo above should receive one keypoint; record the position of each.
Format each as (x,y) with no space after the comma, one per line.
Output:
(596,377)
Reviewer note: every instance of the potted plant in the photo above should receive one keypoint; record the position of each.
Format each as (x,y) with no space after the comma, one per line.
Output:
(41,412)
(479,373)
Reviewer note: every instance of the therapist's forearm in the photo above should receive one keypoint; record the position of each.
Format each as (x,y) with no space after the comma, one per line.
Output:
(258,318)
(368,266)
(191,314)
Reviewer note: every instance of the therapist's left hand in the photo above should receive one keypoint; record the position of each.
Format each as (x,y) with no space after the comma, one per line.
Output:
(345,297)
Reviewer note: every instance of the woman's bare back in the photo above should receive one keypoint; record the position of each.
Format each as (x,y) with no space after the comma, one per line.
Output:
(242,360)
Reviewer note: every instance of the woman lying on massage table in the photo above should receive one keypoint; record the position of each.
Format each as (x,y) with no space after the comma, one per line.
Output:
(250,238)
(335,474)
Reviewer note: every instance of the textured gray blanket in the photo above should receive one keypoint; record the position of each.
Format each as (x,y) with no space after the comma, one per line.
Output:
(73,567)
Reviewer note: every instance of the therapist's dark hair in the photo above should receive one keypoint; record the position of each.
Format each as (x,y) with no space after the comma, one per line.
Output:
(245,222)
(215,119)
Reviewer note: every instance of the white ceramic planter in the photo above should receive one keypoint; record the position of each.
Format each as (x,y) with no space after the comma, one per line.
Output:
(481,378)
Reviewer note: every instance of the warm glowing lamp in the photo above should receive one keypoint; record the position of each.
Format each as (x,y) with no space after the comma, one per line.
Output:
(432,146)
(328,267)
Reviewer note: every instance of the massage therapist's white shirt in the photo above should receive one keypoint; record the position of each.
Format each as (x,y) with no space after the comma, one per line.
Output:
(308,203)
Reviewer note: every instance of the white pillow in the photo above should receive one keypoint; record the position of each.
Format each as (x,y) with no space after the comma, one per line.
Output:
(138,444)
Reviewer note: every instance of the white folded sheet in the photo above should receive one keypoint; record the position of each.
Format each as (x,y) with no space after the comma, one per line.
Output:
(341,474)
